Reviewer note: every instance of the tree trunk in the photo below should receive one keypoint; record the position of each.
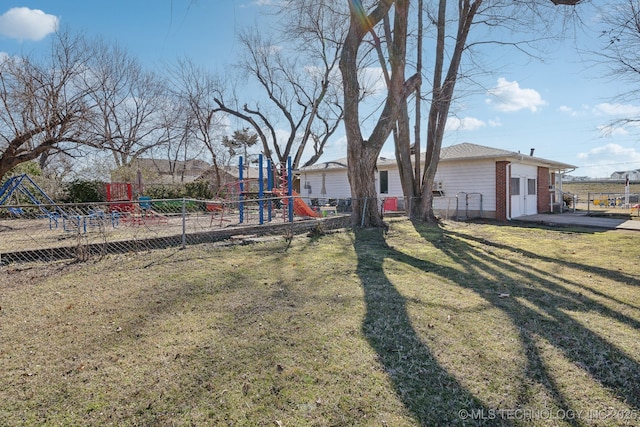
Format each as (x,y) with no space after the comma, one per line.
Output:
(402,139)
(362,159)
(363,154)
(442,95)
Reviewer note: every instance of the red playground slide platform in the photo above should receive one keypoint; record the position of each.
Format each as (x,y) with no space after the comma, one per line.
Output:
(300,208)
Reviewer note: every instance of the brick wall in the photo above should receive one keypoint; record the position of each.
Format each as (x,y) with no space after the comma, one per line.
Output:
(543,190)
(501,190)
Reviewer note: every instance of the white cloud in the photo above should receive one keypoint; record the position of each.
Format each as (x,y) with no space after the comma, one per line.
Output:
(612,130)
(465,123)
(510,97)
(581,111)
(618,110)
(568,110)
(614,149)
(494,123)
(604,160)
(23,23)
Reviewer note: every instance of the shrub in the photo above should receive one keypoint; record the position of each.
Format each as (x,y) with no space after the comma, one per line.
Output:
(81,191)
(164,191)
(192,190)
(198,190)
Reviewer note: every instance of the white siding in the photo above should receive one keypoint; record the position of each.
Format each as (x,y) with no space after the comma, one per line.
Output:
(336,184)
(477,176)
(395,187)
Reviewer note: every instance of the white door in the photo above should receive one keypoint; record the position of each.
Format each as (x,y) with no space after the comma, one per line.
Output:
(524,196)
(530,196)
(517,199)
(524,190)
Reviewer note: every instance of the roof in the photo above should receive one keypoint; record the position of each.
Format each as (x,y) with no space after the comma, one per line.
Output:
(332,164)
(342,164)
(468,151)
(163,166)
(233,172)
(464,151)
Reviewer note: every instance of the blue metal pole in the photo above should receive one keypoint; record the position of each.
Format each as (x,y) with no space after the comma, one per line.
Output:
(260,190)
(290,189)
(241,205)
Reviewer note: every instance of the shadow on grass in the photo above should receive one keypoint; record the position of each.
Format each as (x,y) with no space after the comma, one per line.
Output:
(605,363)
(431,394)
(428,390)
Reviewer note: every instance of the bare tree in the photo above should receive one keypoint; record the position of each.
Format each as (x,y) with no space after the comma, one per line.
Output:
(181,145)
(302,92)
(452,41)
(128,101)
(194,88)
(620,51)
(362,153)
(43,106)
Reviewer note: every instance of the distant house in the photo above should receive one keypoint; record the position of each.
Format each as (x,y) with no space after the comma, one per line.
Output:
(166,171)
(230,176)
(571,178)
(471,180)
(634,175)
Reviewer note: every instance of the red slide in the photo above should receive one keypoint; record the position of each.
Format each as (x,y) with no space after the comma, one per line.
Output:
(300,208)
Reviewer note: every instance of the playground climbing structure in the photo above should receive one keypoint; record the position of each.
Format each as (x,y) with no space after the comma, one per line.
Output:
(23,186)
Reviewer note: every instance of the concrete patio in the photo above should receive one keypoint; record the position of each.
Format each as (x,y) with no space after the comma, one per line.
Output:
(581,219)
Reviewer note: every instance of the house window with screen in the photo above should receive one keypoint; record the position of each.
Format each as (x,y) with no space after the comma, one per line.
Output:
(384,182)
(531,187)
(515,187)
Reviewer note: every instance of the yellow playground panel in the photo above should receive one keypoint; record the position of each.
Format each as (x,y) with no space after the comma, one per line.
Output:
(608,200)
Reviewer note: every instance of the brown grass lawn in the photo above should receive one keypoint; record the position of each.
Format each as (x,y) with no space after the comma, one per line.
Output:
(464,324)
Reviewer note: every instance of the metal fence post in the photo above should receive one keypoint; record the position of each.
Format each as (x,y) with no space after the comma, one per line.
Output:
(364,211)
(184,223)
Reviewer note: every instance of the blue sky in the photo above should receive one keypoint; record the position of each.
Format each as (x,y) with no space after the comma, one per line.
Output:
(560,107)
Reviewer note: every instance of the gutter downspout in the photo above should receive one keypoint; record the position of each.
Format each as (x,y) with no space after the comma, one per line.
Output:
(508,195)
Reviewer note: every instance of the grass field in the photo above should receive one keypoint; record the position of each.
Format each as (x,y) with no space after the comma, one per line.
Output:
(583,188)
(464,324)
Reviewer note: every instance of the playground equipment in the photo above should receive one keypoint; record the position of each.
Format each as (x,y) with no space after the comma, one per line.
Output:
(23,184)
(290,200)
(122,204)
(72,221)
(120,196)
(300,208)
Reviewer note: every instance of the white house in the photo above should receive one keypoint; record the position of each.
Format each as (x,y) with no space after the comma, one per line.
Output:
(633,175)
(471,180)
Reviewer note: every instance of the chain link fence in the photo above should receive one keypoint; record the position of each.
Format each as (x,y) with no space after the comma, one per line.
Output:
(611,202)
(46,232)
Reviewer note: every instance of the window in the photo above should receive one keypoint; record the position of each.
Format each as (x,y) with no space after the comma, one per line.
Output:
(515,187)
(531,187)
(384,182)
(438,189)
